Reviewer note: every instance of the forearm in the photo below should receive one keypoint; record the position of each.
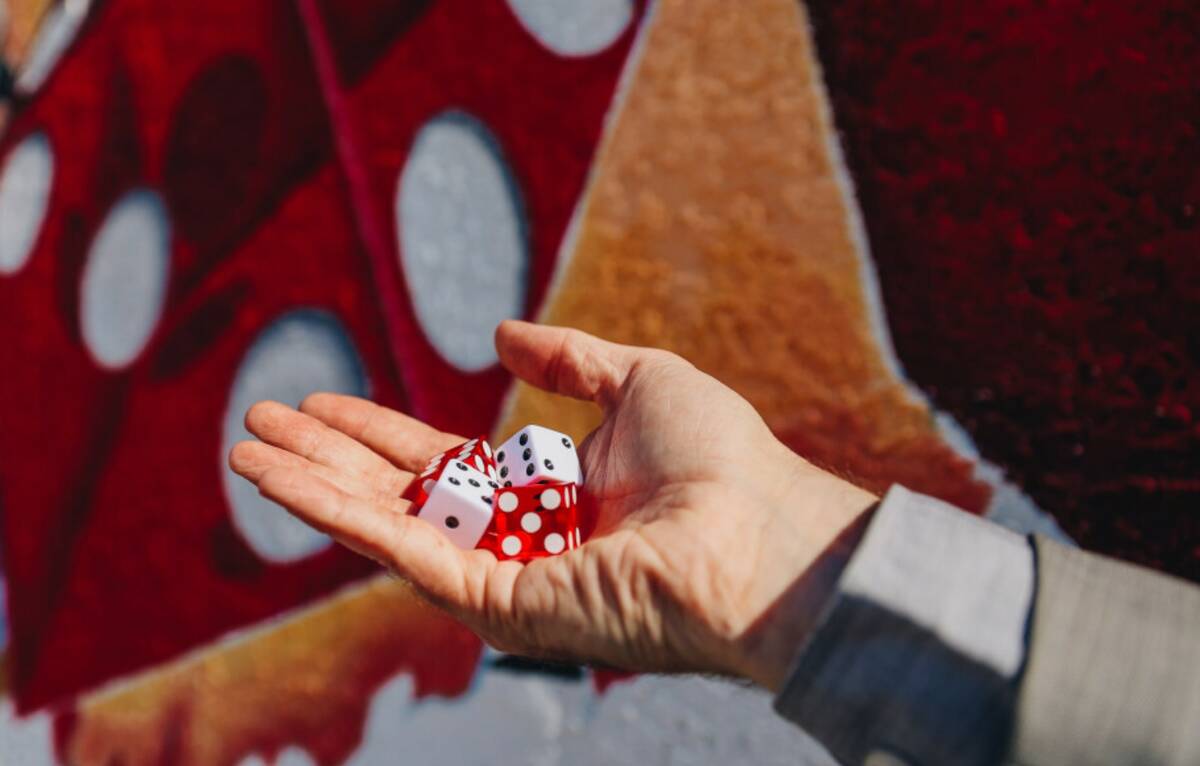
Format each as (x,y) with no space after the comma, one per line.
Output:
(949,641)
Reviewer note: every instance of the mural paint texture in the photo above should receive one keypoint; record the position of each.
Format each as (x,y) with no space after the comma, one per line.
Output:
(950,247)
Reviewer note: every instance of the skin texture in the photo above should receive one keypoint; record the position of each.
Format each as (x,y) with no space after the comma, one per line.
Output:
(715,546)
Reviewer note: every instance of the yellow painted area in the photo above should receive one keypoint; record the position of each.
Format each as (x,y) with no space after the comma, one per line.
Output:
(23,20)
(715,227)
(307,682)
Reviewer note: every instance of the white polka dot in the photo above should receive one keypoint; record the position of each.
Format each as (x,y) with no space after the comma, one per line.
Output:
(531,522)
(462,238)
(511,545)
(508,502)
(554,543)
(55,34)
(482,466)
(574,27)
(551,499)
(487,449)
(25,182)
(578,538)
(125,279)
(574,495)
(301,352)
(491,471)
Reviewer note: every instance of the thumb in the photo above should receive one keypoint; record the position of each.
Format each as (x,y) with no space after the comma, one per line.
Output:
(566,361)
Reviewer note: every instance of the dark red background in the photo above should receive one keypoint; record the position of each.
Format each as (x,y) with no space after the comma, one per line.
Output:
(1030,178)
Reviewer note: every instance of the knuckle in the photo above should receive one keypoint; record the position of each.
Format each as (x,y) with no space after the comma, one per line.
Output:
(309,442)
(562,362)
(368,421)
(283,481)
(313,401)
(665,358)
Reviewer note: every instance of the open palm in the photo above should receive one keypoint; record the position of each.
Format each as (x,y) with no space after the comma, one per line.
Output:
(712,538)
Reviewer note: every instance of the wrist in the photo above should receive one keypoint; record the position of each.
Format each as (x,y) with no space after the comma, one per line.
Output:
(823,520)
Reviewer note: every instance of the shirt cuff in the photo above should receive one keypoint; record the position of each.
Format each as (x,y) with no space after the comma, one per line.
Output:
(918,652)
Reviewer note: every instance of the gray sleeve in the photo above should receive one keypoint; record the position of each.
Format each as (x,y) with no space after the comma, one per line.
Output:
(1113,673)
(919,650)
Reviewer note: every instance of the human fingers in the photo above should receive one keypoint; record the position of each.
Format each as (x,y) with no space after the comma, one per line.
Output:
(402,439)
(252,459)
(301,434)
(405,544)
(566,361)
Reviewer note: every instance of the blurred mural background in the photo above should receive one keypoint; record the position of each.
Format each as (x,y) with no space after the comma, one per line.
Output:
(949,245)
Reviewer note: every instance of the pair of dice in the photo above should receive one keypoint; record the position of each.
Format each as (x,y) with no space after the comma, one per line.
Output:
(518,502)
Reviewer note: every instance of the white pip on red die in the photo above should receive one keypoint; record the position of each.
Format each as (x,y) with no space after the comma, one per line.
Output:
(476,453)
(534,521)
(538,455)
(459,503)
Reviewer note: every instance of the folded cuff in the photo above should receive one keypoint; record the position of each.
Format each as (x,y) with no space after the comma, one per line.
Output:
(920,647)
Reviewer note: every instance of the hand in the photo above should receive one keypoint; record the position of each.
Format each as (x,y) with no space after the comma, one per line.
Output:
(715,547)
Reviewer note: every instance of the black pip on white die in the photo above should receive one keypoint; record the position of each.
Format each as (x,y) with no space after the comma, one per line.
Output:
(459,504)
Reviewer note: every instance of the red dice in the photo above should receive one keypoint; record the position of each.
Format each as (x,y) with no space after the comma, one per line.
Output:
(527,522)
(476,453)
(533,522)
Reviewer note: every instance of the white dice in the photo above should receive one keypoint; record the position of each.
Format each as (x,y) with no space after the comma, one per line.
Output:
(460,504)
(536,454)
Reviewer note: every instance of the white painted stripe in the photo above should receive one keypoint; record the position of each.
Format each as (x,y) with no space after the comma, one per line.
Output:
(299,353)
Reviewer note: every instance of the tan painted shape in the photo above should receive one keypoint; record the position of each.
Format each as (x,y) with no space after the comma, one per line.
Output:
(307,682)
(23,18)
(715,227)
